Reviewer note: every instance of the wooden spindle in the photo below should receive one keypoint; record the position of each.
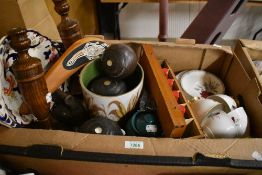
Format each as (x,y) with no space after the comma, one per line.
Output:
(29,74)
(68,28)
(163,20)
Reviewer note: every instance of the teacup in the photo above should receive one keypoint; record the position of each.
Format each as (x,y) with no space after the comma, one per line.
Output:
(228,102)
(204,107)
(112,107)
(219,125)
(213,113)
(240,119)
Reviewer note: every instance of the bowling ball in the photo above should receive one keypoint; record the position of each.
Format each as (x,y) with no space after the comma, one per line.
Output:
(119,61)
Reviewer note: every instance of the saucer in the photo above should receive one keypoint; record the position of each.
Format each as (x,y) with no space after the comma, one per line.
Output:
(10,98)
(180,74)
(199,83)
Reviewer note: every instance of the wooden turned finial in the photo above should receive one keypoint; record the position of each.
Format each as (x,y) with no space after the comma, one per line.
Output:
(19,41)
(30,77)
(61,7)
(68,28)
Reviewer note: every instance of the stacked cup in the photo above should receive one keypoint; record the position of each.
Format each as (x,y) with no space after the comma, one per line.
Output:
(219,116)
(216,112)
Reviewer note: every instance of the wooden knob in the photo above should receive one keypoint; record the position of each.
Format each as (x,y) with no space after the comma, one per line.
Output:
(19,40)
(68,28)
(61,7)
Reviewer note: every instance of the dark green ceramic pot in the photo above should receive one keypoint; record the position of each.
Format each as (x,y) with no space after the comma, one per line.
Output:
(143,123)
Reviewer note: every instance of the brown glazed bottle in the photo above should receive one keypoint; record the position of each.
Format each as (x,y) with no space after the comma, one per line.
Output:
(29,74)
(68,28)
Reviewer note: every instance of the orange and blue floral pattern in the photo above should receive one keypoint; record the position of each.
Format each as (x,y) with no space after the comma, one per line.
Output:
(41,47)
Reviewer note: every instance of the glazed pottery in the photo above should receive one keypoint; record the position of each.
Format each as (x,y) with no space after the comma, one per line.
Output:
(112,107)
(41,47)
(204,107)
(199,83)
(227,125)
(220,126)
(180,74)
(143,123)
(213,113)
(240,119)
(228,102)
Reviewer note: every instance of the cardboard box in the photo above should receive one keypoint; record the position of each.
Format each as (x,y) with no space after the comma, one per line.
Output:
(62,152)
(247,51)
(32,14)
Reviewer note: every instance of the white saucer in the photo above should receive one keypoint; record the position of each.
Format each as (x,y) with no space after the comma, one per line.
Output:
(180,74)
(199,83)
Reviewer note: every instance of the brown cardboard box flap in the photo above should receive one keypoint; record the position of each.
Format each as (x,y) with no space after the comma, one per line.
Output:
(232,148)
(185,41)
(252,44)
(10,17)
(253,48)
(247,51)
(32,14)
(226,49)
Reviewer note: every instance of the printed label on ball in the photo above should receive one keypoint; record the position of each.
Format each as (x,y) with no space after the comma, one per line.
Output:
(84,53)
(151,128)
(134,144)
